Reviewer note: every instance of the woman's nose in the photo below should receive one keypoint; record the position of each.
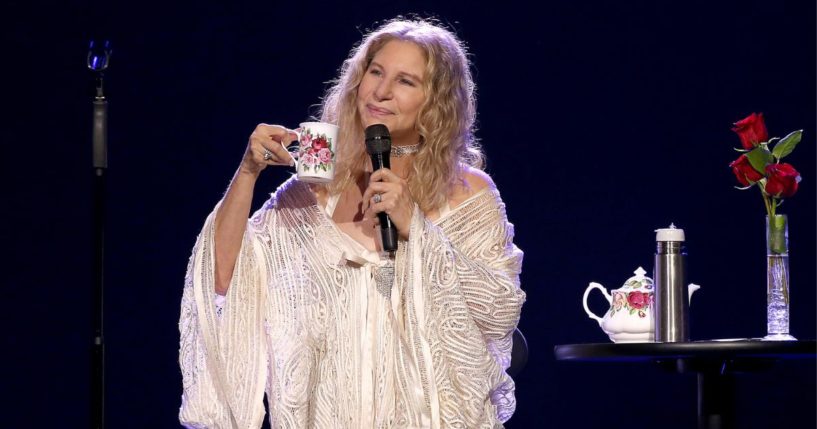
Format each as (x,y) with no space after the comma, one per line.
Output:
(383,90)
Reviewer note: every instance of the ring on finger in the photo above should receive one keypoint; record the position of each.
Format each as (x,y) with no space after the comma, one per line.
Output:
(377,198)
(267,154)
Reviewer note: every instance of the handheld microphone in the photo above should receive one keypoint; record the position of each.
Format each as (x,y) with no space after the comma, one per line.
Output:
(378,145)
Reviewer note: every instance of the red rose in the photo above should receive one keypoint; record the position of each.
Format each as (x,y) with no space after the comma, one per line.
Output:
(319,143)
(638,300)
(782,180)
(744,172)
(751,130)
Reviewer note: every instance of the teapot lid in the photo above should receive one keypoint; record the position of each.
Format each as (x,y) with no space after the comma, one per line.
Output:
(639,280)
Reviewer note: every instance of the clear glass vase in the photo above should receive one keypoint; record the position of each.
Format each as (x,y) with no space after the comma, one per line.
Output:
(777,279)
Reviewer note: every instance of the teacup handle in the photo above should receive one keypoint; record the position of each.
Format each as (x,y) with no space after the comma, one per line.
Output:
(594,285)
(294,148)
(294,151)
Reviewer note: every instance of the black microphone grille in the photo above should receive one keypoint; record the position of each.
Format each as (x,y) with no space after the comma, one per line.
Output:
(377,131)
(378,139)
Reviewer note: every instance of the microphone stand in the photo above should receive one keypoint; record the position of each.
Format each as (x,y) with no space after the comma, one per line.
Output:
(98,59)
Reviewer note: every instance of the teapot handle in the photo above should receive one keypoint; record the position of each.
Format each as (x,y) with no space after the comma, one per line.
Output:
(594,285)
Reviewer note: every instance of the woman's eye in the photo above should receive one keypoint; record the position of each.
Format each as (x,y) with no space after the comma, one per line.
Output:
(375,72)
(407,82)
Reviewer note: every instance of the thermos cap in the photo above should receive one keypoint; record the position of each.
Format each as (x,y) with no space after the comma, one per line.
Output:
(669,234)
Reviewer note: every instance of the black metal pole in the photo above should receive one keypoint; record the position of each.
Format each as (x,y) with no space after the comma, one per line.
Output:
(716,399)
(98,58)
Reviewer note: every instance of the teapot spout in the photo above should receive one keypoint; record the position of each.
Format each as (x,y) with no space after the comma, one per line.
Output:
(692,288)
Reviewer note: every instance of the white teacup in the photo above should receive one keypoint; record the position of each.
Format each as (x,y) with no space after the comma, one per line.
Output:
(316,152)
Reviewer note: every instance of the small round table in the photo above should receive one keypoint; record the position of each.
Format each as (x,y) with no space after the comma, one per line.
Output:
(715,362)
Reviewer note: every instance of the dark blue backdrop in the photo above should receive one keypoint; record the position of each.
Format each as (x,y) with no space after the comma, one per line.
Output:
(601,120)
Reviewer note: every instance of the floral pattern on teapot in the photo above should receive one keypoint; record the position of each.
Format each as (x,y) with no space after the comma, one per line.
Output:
(629,318)
(632,302)
(635,301)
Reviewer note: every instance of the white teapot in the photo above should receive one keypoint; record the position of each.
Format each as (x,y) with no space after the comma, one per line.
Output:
(630,318)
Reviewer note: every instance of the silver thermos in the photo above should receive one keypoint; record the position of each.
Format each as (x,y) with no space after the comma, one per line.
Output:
(671,296)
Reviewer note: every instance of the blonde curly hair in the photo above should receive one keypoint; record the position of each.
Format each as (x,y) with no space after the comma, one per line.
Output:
(445,122)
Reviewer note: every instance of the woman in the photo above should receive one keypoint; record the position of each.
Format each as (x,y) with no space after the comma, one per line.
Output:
(308,309)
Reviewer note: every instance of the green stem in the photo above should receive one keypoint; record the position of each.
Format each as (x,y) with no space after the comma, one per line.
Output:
(777,256)
(776,238)
(778,276)
(770,205)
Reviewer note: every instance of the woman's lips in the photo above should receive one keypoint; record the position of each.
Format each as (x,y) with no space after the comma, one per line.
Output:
(377,112)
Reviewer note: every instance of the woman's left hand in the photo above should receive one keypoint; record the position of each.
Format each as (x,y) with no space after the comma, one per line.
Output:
(395,199)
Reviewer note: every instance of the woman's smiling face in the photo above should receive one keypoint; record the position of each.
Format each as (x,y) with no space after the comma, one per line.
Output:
(392,92)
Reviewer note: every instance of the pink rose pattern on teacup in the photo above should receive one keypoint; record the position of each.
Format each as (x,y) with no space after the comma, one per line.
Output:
(316,151)
(309,161)
(325,156)
(632,302)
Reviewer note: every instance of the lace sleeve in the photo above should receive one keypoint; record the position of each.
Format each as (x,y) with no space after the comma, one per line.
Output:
(479,240)
(460,283)
(201,407)
(221,338)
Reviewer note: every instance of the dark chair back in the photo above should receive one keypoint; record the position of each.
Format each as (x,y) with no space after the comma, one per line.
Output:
(519,353)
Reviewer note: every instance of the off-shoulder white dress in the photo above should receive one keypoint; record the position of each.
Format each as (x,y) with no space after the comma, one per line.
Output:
(338,337)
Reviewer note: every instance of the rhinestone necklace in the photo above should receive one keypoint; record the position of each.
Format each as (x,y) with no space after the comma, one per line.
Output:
(398,151)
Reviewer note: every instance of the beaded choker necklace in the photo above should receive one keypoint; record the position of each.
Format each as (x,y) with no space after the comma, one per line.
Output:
(398,151)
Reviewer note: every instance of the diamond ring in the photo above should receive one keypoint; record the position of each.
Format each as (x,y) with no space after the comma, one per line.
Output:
(267,155)
(377,198)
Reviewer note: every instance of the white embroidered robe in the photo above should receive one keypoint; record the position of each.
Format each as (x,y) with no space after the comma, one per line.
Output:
(305,322)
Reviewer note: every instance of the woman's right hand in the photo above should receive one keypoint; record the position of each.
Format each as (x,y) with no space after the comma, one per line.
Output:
(271,140)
